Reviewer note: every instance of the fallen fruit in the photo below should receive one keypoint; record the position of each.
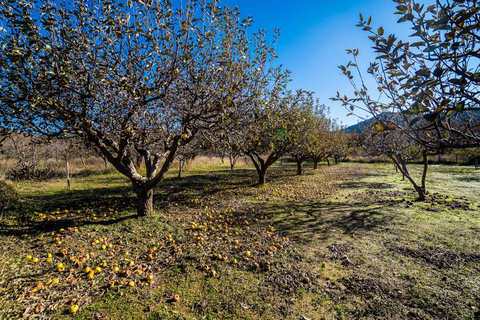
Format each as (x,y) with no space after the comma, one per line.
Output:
(39,308)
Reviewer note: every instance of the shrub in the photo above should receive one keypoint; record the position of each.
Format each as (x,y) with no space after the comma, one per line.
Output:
(8,195)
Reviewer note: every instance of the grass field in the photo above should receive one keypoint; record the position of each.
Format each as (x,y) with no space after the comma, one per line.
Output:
(344,242)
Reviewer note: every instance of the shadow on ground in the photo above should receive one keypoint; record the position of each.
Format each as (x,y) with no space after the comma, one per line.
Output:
(309,222)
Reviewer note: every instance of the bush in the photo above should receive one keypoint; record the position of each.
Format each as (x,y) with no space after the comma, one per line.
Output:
(8,195)
(31,173)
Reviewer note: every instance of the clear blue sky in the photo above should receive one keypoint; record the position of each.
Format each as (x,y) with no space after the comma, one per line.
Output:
(314,37)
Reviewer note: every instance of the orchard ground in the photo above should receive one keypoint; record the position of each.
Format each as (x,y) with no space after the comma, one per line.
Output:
(343,242)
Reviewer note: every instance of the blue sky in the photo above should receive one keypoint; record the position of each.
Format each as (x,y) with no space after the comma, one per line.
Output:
(314,37)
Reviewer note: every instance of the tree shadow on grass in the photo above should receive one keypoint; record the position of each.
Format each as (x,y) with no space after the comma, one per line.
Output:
(319,221)
(181,190)
(65,209)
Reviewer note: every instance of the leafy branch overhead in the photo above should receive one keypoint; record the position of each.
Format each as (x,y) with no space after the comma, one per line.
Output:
(432,81)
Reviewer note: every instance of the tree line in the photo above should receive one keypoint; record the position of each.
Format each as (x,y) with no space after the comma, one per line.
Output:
(148,82)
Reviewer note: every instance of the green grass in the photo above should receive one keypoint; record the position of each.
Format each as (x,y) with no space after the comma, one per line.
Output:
(346,242)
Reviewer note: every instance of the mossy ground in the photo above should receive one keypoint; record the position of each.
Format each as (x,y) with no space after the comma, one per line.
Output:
(343,242)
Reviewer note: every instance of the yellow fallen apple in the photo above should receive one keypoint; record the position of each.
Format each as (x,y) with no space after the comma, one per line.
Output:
(131,283)
(73,308)
(150,276)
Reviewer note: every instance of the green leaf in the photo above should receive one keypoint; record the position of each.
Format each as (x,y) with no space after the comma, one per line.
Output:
(460,106)
(380,31)
(418,44)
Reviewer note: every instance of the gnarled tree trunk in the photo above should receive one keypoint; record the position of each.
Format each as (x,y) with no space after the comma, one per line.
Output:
(402,166)
(262,165)
(145,199)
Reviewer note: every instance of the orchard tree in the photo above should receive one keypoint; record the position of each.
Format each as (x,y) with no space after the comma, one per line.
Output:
(340,143)
(310,133)
(29,151)
(225,143)
(187,153)
(473,154)
(320,145)
(128,77)
(432,82)
(66,149)
(399,148)
(274,128)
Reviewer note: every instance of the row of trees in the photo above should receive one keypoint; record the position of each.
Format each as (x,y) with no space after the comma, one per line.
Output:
(148,82)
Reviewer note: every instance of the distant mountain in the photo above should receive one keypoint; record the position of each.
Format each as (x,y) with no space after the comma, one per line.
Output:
(360,127)
(458,118)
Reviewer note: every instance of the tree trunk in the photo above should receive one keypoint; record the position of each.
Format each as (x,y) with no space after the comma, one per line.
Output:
(299,167)
(83,161)
(420,191)
(424,174)
(402,166)
(261,168)
(233,161)
(328,162)
(69,184)
(476,163)
(105,161)
(181,164)
(315,164)
(145,200)
(139,160)
(262,176)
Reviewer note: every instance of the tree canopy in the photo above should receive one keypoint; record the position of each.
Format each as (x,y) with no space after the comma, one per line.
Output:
(432,82)
(140,77)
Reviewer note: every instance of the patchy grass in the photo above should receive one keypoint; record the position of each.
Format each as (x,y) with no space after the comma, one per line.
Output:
(344,242)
